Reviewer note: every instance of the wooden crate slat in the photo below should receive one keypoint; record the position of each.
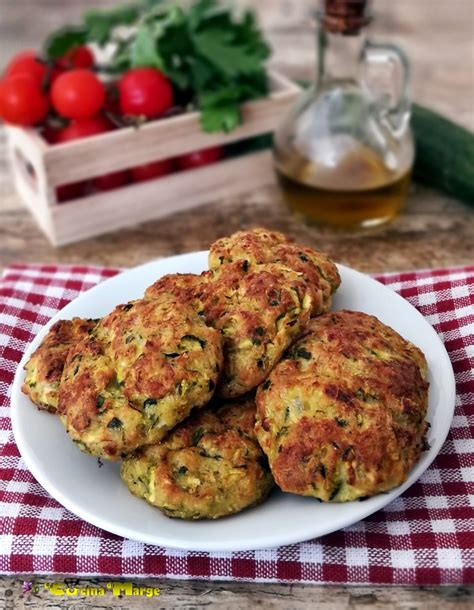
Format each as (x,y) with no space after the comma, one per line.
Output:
(155,199)
(26,156)
(32,202)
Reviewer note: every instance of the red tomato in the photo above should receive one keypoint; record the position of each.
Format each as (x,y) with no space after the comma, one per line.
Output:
(83,129)
(21,100)
(26,62)
(77,94)
(156,169)
(145,92)
(198,158)
(73,190)
(77,57)
(108,182)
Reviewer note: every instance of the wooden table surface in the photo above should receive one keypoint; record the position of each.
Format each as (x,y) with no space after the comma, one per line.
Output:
(435,230)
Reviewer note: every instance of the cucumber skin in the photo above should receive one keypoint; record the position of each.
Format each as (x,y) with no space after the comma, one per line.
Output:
(444,154)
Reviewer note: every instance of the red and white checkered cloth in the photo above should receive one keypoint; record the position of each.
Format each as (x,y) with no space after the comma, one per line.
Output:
(423,537)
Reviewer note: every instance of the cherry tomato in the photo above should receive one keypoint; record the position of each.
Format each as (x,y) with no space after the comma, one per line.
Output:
(198,158)
(83,129)
(77,94)
(145,92)
(73,190)
(156,169)
(108,182)
(21,100)
(26,62)
(77,57)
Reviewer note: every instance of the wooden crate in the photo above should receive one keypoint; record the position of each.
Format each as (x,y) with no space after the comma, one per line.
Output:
(38,168)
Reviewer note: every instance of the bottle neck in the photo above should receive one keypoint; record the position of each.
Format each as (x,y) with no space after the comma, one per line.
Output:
(339,56)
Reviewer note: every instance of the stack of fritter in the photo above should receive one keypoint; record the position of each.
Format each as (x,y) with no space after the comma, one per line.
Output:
(167,383)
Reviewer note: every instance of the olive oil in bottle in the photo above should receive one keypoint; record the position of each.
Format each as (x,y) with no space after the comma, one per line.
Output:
(343,155)
(358,192)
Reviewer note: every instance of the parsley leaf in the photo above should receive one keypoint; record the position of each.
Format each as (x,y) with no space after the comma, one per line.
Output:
(59,42)
(143,50)
(101,23)
(228,56)
(220,118)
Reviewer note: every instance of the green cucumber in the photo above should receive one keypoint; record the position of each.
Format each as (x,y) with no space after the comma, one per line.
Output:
(444,154)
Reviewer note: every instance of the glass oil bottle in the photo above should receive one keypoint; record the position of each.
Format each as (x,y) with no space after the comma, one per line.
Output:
(344,153)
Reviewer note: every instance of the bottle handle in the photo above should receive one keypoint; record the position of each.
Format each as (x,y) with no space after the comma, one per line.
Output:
(393,106)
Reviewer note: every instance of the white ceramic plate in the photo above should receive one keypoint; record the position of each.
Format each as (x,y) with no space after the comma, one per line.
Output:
(99,496)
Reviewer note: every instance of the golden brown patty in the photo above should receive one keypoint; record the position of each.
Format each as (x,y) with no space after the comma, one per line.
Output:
(207,467)
(46,364)
(139,373)
(342,416)
(260,310)
(263,246)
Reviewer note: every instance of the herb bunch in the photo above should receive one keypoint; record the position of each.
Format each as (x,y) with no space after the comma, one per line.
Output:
(214,59)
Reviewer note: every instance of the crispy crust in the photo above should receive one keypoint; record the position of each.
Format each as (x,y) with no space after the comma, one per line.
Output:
(45,367)
(342,416)
(252,245)
(143,369)
(183,286)
(207,467)
(263,246)
(260,310)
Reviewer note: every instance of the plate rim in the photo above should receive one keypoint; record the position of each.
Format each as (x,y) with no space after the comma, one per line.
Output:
(267,540)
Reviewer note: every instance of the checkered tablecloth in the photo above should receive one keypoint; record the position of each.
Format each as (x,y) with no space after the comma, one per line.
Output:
(423,537)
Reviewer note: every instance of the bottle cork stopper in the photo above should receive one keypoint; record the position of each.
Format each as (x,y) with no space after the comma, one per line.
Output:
(345,16)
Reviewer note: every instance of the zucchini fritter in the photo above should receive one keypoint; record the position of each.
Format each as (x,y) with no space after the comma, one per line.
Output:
(260,310)
(46,364)
(263,246)
(342,416)
(138,374)
(207,467)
